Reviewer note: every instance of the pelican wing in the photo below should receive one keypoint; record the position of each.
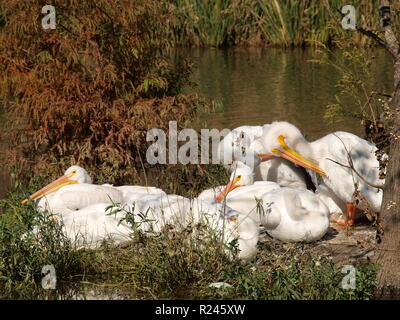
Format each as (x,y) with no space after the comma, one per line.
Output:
(271,215)
(341,179)
(90,226)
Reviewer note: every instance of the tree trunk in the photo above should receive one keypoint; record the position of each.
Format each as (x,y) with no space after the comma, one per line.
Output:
(388,256)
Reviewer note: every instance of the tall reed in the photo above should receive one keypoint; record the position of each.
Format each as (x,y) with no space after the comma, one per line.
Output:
(270,22)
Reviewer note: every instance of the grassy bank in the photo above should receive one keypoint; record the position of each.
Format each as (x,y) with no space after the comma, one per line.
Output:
(169,265)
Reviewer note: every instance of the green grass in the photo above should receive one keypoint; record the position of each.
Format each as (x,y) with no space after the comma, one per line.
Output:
(275,274)
(266,22)
(24,253)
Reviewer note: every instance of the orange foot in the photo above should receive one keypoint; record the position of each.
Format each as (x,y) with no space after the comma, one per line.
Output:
(341,225)
(351,213)
(350,217)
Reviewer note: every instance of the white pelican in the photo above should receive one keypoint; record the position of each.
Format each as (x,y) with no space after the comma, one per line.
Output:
(242,193)
(287,214)
(92,225)
(74,191)
(294,215)
(89,227)
(244,144)
(285,140)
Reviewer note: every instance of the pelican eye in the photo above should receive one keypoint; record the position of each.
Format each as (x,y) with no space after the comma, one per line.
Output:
(73,172)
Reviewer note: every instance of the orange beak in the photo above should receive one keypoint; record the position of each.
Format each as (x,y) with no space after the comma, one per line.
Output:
(266,156)
(51,187)
(291,155)
(229,187)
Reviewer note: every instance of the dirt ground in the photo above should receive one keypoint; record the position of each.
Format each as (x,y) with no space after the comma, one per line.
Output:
(348,246)
(352,246)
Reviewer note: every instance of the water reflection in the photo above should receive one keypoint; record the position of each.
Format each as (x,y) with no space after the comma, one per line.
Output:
(80,290)
(259,86)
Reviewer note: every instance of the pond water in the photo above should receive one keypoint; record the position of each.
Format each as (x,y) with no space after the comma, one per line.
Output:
(258,86)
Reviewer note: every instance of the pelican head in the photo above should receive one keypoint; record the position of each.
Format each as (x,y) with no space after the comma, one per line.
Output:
(73,175)
(242,175)
(78,174)
(282,139)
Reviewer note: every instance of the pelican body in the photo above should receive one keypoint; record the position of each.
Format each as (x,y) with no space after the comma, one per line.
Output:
(75,191)
(288,214)
(328,156)
(337,208)
(91,226)
(292,215)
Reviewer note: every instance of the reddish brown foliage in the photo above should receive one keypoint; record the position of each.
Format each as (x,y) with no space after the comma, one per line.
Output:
(87,92)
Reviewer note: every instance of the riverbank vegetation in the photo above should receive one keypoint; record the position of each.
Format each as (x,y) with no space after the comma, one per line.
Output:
(88,92)
(259,22)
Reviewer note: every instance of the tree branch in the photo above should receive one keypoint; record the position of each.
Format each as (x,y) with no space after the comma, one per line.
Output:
(351,166)
(391,44)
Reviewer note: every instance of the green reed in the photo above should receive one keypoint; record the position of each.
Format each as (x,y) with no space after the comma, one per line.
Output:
(270,22)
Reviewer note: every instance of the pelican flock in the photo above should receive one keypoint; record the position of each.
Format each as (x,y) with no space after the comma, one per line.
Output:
(279,182)
(91,214)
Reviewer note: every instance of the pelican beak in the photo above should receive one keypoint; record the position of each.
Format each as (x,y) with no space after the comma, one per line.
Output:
(229,187)
(291,155)
(51,187)
(266,156)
